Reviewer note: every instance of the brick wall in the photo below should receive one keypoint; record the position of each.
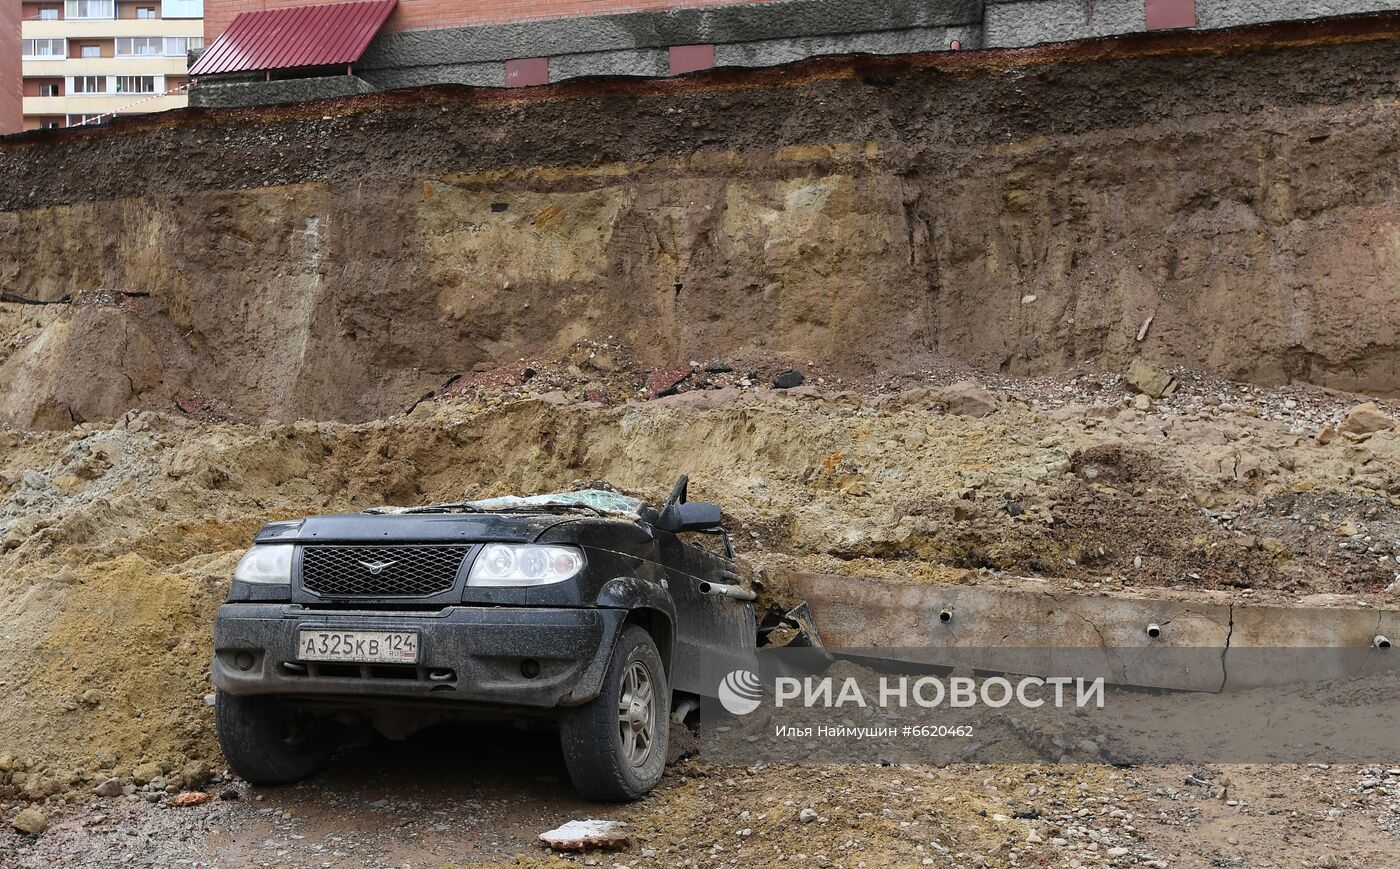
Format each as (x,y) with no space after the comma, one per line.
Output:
(429,14)
(11,73)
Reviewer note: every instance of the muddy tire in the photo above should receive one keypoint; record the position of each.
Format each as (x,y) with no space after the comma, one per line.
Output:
(266,743)
(615,745)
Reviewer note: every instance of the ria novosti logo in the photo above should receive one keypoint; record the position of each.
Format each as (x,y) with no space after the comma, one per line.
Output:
(740,692)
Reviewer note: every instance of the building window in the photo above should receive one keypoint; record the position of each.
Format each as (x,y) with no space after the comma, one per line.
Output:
(92,51)
(177,46)
(90,9)
(182,8)
(43,49)
(138,46)
(90,84)
(136,84)
(48,13)
(75,120)
(49,90)
(145,12)
(50,125)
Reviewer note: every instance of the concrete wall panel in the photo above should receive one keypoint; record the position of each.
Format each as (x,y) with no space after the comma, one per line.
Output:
(1235,13)
(1205,644)
(772,52)
(1015,23)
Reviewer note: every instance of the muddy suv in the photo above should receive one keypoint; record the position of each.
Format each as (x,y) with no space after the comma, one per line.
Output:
(588,609)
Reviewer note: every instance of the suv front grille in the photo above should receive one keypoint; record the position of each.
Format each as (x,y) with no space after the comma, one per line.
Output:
(380,571)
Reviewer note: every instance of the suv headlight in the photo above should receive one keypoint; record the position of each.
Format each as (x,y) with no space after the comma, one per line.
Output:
(501,564)
(265,565)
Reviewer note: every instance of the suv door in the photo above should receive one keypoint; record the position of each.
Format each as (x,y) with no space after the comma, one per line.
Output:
(713,633)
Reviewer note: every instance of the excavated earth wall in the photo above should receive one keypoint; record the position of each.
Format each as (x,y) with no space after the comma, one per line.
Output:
(327,266)
(1022,211)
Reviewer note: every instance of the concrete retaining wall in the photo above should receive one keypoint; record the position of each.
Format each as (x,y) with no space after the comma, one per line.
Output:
(230,94)
(766,34)
(1204,644)
(1016,23)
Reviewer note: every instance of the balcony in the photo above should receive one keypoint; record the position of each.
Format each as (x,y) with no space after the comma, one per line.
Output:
(157,65)
(108,28)
(96,104)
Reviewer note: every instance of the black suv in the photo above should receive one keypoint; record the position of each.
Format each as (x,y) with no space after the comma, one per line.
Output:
(585,608)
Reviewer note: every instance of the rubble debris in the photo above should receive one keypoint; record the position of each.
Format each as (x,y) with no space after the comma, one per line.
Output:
(789,379)
(1149,379)
(792,629)
(583,835)
(112,787)
(666,381)
(1365,419)
(186,799)
(718,368)
(146,772)
(1146,324)
(967,398)
(31,821)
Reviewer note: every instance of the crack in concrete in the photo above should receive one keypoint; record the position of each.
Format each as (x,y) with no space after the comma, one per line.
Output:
(1109,651)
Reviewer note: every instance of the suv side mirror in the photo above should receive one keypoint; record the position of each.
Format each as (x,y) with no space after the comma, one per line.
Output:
(691,516)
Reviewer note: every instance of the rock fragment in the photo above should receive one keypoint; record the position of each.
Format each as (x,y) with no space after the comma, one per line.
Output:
(789,379)
(967,398)
(188,798)
(666,381)
(1149,379)
(31,821)
(1365,419)
(110,788)
(582,835)
(146,772)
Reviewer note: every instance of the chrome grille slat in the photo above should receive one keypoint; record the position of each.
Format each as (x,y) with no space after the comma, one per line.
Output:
(403,571)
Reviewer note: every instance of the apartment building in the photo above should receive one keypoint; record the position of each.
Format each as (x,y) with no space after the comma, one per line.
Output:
(87,60)
(10,111)
(285,51)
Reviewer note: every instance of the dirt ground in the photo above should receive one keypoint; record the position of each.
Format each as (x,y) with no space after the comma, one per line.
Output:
(118,542)
(446,799)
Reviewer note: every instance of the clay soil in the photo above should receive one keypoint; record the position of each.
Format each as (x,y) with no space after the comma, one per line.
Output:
(445,294)
(119,540)
(1232,200)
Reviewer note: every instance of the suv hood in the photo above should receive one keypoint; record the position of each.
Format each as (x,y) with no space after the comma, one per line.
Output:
(411,528)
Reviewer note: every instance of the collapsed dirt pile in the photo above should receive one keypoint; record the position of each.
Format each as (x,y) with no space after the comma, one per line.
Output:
(1231,208)
(116,543)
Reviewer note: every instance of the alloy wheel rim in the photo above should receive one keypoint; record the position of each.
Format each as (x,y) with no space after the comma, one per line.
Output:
(636,718)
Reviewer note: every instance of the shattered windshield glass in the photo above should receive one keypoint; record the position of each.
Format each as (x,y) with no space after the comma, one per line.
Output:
(594,499)
(600,501)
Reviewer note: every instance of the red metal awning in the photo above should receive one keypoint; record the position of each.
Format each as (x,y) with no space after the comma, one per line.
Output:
(326,35)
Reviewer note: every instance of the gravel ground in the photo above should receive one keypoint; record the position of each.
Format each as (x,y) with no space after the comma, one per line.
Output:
(480,797)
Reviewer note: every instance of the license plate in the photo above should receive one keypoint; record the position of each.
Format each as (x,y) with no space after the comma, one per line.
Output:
(360,647)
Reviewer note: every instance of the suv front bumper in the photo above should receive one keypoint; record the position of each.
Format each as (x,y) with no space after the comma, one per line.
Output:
(467,655)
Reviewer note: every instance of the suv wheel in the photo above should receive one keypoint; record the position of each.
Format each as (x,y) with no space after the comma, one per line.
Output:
(266,742)
(615,745)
